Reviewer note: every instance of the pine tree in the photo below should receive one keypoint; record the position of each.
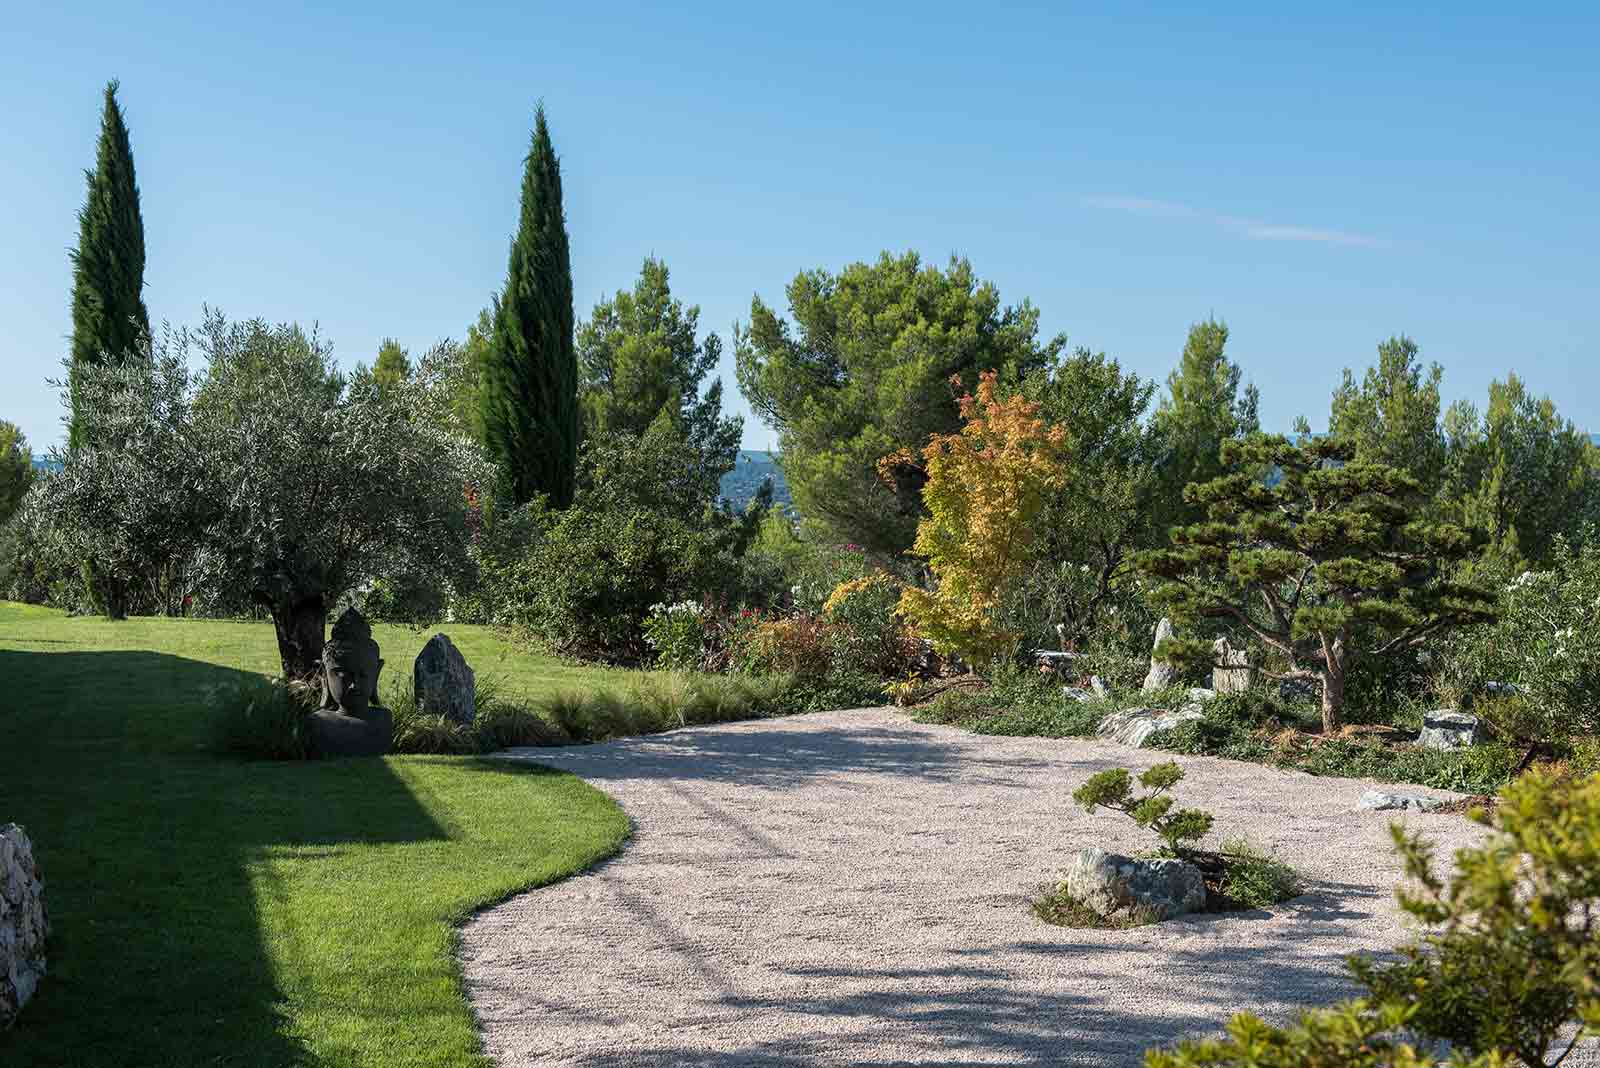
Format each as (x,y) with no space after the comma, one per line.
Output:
(1328,565)
(108,312)
(529,395)
(1202,409)
(393,365)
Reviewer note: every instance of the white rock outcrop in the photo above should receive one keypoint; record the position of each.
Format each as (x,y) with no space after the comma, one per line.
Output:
(24,924)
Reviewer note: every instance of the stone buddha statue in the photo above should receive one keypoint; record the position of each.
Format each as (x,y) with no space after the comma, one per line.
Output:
(350,666)
(350,721)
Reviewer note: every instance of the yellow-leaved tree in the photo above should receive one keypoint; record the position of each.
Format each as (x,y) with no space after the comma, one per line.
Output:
(986,486)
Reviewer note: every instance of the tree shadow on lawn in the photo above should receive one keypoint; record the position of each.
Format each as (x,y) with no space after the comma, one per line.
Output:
(146,842)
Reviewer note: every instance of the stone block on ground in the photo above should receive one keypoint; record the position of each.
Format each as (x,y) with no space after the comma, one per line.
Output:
(445,685)
(1445,728)
(1160,675)
(24,924)
(1233,673)
(1122,887)
(1382,801)
(1134,726)
(336,734)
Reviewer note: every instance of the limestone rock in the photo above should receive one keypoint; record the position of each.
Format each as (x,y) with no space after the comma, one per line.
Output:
(1077,693)
(445,685)
(1134,726)
(1379,801)
(1233,673)
(1098,685)
(1445,728)
(1200,695)
(24,924)
(1116,886)
(1160,675)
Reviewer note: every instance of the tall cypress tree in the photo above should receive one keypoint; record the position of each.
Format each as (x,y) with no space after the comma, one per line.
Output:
(529,395)
(108,312)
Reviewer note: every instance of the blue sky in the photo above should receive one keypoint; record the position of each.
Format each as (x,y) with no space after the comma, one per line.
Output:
(1320,181)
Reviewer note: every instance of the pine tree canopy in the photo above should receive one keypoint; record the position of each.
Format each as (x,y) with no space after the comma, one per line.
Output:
(1328,564)
(529,396)
(108,312)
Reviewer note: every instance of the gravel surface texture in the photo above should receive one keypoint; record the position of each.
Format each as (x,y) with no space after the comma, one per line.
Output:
(853,888)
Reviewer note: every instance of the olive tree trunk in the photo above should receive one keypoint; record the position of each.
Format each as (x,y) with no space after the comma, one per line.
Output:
(299,624)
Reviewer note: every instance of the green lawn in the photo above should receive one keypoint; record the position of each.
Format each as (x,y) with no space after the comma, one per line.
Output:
(208,911)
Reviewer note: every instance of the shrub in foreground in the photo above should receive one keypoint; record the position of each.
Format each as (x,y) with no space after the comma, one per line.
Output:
(1507,971)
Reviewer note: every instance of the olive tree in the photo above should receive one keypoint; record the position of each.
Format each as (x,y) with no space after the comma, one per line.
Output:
(291,484)
(127,503)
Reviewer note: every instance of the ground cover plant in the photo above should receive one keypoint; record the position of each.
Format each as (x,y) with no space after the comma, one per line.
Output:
(1253,727)
(209,910)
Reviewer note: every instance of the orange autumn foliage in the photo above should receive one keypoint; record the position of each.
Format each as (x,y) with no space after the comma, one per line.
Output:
(986,486)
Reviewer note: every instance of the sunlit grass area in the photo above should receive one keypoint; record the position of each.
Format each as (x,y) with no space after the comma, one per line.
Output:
(219,912)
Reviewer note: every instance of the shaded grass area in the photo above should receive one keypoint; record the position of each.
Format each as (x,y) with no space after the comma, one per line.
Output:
(207,911)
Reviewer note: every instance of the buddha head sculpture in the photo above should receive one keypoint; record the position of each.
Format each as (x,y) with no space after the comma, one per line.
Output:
(350,666)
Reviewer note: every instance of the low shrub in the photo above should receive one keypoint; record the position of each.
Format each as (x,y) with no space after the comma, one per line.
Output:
(676,634)
(264,719)
(1054,905)
(863,633)
(1019,704)
(1254,879)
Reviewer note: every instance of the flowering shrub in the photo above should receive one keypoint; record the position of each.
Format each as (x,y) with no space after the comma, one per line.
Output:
(677,634)
(1546,644)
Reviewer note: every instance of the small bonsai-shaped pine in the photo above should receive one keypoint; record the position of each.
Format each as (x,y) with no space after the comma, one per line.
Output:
(1113,789)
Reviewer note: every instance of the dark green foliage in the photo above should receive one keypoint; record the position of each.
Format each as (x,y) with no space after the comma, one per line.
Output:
(16,469)
(1328,565)
(1521,473)
(1113,789)
(1204,407)
(864,371)
(528,400)
(1113,501)
(108,312)
(644,530)
(392,367)
(1392,417)
(639,359)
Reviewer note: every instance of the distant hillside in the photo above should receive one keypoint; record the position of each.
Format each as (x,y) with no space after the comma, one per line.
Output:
(744,481)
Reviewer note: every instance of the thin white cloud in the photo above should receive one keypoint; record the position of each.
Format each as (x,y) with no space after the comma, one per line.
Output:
(1251,229)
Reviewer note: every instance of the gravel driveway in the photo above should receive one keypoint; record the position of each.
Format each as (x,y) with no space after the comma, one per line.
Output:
(853,887)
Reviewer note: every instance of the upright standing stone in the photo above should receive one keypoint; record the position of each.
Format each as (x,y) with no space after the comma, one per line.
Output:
(23,923)
(445,684)
(1233,673)
(1160,675)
